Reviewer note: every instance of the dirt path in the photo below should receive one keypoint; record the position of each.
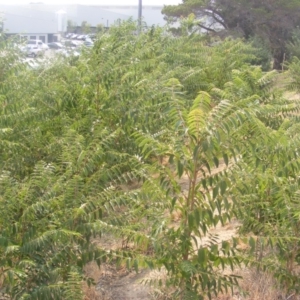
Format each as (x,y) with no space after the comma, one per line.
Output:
(115,285)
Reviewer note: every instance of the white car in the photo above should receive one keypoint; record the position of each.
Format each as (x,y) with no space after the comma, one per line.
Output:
(37,43)
(33,51)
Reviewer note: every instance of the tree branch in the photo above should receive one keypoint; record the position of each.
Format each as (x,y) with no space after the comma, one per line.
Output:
(206,28)
(213,13)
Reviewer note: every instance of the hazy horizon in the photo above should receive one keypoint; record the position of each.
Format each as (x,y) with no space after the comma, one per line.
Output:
(95,2)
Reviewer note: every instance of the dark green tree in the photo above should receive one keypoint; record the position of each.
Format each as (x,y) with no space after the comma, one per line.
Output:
(85,27)
(272,20)
(71,26)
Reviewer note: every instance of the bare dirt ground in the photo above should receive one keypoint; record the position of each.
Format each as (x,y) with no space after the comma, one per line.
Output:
(118,284)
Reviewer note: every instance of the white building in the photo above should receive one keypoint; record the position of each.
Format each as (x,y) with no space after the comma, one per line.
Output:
(48,22)
(29,22)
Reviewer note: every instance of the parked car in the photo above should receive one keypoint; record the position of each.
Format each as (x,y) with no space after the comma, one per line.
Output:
(80,37)
(91,36)
(88,44)
(33,50)
(71,44)
(55,45)
(37,43)
(88,39)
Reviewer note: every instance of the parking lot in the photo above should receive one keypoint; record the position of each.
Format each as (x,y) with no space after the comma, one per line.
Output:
(70,45)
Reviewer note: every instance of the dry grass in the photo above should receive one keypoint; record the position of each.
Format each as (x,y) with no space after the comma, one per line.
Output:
(292,95)
(93,271)
(257,286)
(90,293)
(254,286)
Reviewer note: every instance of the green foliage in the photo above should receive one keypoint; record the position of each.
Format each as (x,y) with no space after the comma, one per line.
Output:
(84,144)
(85,27)
(204,136)
(100,28)
(267,187)
(272,21)
(269,196)
(263,55)
(72,289)
(293,45)
(293,79)
(71,26)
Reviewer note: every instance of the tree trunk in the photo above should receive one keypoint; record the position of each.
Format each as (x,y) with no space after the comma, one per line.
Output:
(278,59)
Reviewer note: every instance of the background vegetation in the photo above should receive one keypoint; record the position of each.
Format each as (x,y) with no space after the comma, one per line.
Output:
(273,21)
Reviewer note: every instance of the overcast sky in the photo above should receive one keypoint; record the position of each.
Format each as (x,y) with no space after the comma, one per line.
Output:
(95,2)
